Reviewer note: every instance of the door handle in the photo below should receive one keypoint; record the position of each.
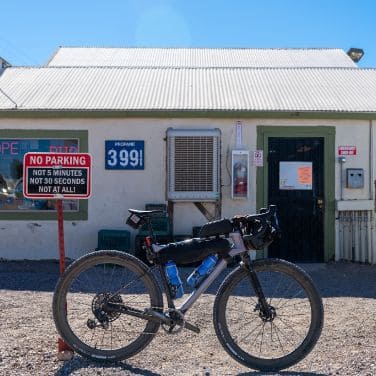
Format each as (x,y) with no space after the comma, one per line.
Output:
(320,203)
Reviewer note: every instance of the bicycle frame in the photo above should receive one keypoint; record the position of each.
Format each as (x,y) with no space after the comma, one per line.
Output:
(237,249)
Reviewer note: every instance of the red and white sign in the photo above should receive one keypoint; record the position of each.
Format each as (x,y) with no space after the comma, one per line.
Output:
(57,175)
(346,150)
(258,158)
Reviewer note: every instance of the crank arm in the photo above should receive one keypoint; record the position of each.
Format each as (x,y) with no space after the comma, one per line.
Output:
(150,315)
(168,321)
(191,327)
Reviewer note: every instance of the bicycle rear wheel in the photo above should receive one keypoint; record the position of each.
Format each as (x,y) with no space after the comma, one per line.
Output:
(80,313)
(284,336)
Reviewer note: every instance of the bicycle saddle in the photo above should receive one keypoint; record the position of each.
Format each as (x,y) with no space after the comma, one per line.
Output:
(145,213)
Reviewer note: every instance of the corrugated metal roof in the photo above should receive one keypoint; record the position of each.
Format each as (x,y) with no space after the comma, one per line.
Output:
(219,89)
(200,57)
(3,63)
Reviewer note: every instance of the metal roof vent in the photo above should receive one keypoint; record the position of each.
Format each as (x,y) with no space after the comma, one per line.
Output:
(355,54)
(193,164)
(3,64)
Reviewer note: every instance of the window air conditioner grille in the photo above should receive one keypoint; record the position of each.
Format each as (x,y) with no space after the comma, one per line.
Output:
(193,164)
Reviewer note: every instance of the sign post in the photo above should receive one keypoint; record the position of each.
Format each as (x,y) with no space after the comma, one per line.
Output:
(58,176)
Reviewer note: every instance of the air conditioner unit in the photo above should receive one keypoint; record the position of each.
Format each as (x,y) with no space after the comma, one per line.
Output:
(193,164)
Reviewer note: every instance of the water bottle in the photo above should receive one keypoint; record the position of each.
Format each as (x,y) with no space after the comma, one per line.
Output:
(202,271)
(174,281)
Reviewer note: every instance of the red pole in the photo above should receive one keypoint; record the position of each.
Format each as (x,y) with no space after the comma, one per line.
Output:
(64,351)
(60,231)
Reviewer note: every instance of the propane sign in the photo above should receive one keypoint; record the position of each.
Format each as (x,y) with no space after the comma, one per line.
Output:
(57,175)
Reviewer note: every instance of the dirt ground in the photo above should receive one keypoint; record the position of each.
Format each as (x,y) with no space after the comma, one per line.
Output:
(28,339)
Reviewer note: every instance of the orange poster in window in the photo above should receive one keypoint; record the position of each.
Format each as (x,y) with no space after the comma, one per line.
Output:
(305,175)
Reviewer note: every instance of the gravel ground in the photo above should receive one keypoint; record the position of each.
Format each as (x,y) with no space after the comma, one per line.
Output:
(28,339)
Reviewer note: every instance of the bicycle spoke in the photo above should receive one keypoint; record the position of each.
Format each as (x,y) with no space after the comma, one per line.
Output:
(279,339)
(262,337)
(287,339)
(273,332)
(116,279)
(275,289)
(286,291)
(242,339)
(288,326)
(293,304)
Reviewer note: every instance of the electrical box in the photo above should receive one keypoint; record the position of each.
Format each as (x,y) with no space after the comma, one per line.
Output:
(355,177)
(240,172)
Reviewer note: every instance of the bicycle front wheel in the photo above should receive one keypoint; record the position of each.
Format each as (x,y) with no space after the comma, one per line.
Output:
(280,337)
(81,299)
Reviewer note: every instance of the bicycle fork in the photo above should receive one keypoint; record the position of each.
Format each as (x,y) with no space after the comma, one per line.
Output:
(266,311)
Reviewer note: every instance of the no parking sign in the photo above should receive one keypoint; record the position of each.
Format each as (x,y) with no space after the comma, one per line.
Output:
(57,175)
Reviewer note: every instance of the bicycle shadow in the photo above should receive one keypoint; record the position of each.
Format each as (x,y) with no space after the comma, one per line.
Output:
(282,373)
(78,363)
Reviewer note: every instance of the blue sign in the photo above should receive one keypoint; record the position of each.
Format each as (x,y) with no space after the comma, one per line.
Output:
(124,155)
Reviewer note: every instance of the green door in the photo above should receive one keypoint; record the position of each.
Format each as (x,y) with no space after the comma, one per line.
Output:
(306,202)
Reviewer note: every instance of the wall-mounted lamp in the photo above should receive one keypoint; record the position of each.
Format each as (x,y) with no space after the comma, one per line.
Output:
(355,54)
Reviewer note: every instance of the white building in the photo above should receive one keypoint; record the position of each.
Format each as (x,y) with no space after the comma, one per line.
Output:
(197,114)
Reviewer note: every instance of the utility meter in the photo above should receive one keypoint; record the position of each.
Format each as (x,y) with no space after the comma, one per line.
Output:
(355,178)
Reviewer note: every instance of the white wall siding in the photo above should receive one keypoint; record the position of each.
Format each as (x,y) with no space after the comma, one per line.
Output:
(115,191)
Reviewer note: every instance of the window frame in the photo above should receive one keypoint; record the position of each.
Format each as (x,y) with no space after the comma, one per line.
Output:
(82,136)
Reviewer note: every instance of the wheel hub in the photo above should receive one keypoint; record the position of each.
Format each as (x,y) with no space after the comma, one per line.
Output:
(98,307)
(266,315)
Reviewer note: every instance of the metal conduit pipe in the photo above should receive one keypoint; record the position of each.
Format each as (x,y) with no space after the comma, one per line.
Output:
(340,236)
(372,181)
(372,259)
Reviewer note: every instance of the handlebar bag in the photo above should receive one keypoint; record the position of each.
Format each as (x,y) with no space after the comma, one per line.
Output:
(193,250)
(260,237)
(220,227)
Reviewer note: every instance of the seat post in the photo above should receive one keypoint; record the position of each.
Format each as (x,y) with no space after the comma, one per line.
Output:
(150,229)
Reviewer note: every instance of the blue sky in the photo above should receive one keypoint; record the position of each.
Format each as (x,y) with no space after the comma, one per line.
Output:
(30,31)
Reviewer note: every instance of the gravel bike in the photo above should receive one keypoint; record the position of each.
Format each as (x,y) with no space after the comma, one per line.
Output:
(267,313)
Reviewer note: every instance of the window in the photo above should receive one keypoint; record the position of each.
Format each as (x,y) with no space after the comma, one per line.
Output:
(193,164)
(13,146)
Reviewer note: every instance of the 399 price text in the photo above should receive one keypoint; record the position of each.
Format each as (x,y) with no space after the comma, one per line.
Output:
(124,155)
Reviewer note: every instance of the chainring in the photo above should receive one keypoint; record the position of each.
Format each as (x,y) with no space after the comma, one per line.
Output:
(177,322)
